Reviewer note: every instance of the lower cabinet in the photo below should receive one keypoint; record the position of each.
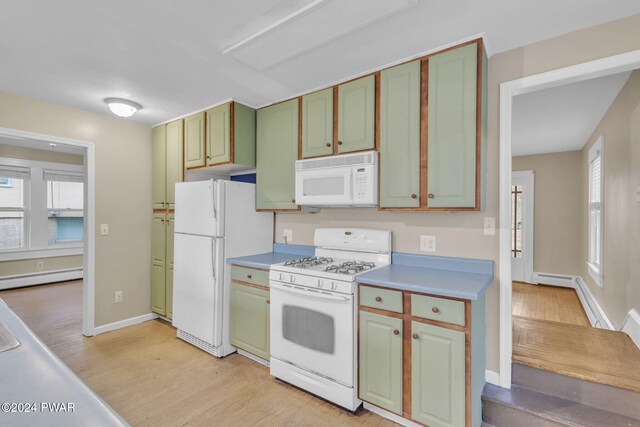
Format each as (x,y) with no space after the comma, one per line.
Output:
(250,319)
(162,264)
(416,367)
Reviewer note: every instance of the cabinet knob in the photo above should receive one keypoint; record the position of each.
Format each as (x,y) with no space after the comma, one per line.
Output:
(415,336)
(293,200)
(248,276)
(328,145)
(435,309)
(414,196)
(431,195)
(396,332)
(378,299)
(339,142)
(268,301)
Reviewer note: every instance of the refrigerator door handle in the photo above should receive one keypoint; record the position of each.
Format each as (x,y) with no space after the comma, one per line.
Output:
(215,213)
(213,258)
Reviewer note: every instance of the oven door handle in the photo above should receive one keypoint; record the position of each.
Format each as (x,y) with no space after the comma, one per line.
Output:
(311,294)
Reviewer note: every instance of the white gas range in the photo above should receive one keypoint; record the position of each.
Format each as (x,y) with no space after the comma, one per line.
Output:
(314,308)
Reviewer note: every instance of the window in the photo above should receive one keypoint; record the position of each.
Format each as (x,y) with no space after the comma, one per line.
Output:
(516,221)
(65,201)
(596,204)
(12,206)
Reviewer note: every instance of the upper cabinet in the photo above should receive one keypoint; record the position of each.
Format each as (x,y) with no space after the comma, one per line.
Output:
(194,127)
(231,135)
(400,136)
(317,124)
(166,163)
(356,115)
(433,132)
(276,154)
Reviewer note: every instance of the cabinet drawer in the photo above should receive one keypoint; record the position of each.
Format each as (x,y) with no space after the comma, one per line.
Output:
(442,310)
(383,299)
(250,275)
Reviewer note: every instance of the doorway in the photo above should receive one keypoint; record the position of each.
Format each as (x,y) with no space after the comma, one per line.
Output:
(67,228)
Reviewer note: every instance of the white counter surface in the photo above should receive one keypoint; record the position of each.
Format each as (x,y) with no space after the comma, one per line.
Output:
(37,388)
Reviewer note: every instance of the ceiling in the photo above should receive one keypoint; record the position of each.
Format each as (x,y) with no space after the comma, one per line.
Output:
(168,55)
(562,118)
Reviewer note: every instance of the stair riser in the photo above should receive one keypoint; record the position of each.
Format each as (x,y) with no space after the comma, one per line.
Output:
(601,396)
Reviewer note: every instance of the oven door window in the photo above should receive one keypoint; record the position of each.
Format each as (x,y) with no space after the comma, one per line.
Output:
(308,328)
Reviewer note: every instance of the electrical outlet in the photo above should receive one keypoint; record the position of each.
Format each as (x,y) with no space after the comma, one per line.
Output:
(428,243)
(490,226)
(287,234)
(104,229)
(118,297)
(40,265)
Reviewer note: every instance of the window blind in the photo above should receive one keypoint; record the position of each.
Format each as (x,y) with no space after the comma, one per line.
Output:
(65,176)
(17,172)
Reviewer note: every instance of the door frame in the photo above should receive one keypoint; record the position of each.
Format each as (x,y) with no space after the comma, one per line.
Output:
(598,68)
(527,177)
(89,243)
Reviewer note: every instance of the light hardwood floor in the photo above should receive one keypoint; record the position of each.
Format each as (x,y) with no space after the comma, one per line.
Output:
(151,378)
(551,332)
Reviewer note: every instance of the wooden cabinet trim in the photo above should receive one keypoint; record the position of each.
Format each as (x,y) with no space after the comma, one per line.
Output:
(232,140)
(335,120)
(406,357)
(253,268)
(424,131)
(251,285)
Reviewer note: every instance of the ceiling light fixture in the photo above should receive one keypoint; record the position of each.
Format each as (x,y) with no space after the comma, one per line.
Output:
(122,107)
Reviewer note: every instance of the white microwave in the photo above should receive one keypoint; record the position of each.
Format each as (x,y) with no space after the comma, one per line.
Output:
(338,181)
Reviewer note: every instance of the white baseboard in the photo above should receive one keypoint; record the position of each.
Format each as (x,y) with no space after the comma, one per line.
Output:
(253,357)
(492,377)
(389,415)
(40,278)
(124,323)
(594,311)
(631,326)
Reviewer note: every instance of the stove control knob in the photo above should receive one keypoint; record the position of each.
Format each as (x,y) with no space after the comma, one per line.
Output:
(292,278)
(334,285)
(281,276)
(320,283)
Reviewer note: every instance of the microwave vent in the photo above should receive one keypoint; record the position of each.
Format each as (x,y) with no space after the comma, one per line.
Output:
(337,161)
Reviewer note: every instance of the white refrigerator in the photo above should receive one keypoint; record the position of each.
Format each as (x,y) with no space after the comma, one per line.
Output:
(214,220)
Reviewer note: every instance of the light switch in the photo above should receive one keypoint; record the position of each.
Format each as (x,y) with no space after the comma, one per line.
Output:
(287,234)
(104,229)
(490,226)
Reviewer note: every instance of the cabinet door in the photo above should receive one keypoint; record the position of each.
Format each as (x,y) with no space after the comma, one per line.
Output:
(158,263)
(452,128)
(194,140)
(356,115)
(174,160)
(400,136)
(158,167)
(317,124)
(437,376)
(276,154)
(380,351)
(250,319)
(169,269)
(219,134)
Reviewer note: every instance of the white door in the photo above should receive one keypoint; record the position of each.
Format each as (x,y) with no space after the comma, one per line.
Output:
(195,293)
(197,208)
(313,330)
(522,197)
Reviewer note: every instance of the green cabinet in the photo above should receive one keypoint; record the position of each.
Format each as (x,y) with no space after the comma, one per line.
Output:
(162,264)
(380,354)
(194,140)
(158,264)
(231,135)
(276,154)
(249,323)
(317,124)
(400,136)
(452,128)
(174,165)
(159,167)
(356,115)
(437,375)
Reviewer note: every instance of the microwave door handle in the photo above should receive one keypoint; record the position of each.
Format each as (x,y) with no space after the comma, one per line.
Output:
(310,294)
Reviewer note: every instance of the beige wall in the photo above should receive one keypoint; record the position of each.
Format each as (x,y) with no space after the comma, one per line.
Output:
(460,234)
(557,238)
(39,155)
(28,266)
(123,195)
(621,130)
